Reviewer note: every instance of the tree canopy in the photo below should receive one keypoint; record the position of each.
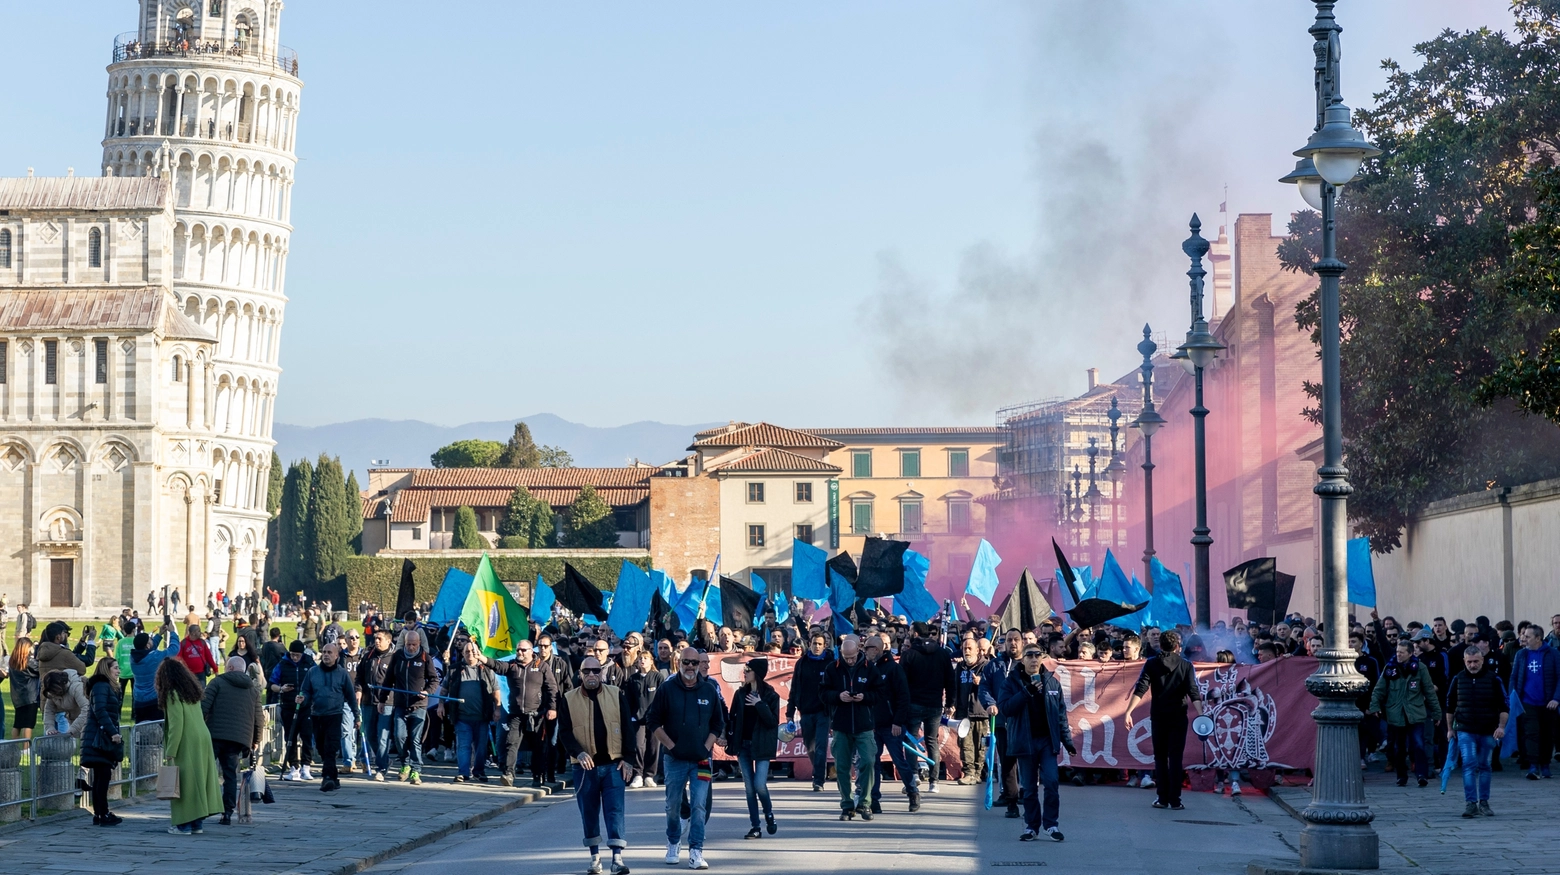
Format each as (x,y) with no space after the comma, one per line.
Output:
(521,451)
(556,457)
(1429,308)
(466,536)
(330,522)
(528,523)
(471,453)
(590,522)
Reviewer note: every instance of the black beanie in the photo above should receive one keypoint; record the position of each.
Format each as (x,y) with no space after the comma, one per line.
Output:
(760,667)
(296,646)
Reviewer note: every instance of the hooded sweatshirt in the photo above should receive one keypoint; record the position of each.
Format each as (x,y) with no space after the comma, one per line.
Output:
(144,663)
(929,671)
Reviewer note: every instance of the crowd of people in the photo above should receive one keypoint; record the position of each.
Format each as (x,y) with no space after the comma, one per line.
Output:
(609,714)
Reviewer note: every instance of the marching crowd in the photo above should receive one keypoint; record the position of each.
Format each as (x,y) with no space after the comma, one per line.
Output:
(610,714)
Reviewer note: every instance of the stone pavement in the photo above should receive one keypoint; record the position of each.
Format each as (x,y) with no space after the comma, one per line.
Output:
(1424,832)
(305,832)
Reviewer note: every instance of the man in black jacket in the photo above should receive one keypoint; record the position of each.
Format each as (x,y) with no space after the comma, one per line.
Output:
(806,679)
(849,685)
(933,684)
(285,680)
(563,678)
(413,672)
(1170,680)
(375,703)
(890,715)
(968,706)
(1476,714)
(533,700)
(686,718)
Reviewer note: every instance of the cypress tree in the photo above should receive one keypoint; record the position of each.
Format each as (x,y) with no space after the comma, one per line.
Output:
(521,451)
(328,518)
(466,536)
(292,536)
(590,522)
(354,515)
(528,523)
(542,531)
(273,493)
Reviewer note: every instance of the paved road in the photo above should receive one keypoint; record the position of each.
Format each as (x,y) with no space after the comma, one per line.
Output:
(1109,829)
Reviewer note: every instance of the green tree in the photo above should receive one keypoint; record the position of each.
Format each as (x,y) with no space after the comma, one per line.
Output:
(471,453)
(527,524)
(555,457)
(1426,231)
(590,522)
(273,495)
(293,570)
(521,451)
(1528,376)
(354,515)
(329,524)
(466,536)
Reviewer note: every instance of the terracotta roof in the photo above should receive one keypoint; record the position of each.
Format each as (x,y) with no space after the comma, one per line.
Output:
(779,461)
(412,505)
(136,309)
(83,193)
(765,435)
(468,478)
(371,507)
(982,431)
(720,429)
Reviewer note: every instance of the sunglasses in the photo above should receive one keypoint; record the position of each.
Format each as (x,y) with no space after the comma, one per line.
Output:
(1033,654)
(688,662)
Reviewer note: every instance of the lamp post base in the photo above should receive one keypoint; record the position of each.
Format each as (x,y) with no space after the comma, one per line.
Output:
(1337,832)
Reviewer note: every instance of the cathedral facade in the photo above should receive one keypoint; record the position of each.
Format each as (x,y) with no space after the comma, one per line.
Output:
(140,320)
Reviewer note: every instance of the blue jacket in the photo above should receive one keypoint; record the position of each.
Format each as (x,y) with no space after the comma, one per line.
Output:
(143,666)
(1550,668)
(994,679)
(326,691)
(1017,691)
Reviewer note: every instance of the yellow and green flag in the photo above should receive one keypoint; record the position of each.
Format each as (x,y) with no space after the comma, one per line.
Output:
(492,616)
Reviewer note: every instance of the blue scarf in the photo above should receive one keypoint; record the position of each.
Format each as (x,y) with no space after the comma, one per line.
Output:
(1393,666)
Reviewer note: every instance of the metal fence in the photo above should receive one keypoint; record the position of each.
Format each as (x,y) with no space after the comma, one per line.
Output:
(39,776)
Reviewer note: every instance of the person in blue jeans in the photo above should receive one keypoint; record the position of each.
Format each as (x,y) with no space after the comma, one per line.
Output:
(475,686)
(1535,678)
(1476,714)
(1031,703)
(806,678)
(415,673)
(595,726)
(685,719)
(376,705)
(753,732)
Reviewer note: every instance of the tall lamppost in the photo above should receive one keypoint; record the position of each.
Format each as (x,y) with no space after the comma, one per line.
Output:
(1196,354)
(1077,507)
(1094,498)
(1148,422)
(1337,832)
(1116,469)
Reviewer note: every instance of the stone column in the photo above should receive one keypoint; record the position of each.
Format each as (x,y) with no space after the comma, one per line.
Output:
(10,782)
(232,571)
(257,571)
(56,773)
(147,755)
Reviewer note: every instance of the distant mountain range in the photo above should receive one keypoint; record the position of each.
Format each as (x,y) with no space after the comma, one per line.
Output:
(407,443)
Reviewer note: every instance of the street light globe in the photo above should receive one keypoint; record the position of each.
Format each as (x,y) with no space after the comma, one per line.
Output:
(1185,361)
(1311,192)
(1149,421)
(1308,181)
(1337,148)
(1337,166)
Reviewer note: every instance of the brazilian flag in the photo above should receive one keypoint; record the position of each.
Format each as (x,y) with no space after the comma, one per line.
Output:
(492,616)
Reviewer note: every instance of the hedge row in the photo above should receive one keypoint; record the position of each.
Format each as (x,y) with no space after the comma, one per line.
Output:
(377,579)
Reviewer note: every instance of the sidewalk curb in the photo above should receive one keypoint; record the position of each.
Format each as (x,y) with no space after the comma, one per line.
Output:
(1277,795)
(526,796)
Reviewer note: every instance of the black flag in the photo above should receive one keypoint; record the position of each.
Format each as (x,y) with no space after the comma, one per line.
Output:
(844,566)
(1094,611)
(738,605)
(663,620)
(1251,582)
(1025,607)
(406,596)
(882,569)
(1068,577)
(579,595)
(1270,603)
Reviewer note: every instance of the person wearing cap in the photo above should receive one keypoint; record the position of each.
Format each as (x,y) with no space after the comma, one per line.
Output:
(285,680)
(1032,706)
(54,651)
(235,719)
(753,734)
(1436,660)
(1171,683)
(1405,696)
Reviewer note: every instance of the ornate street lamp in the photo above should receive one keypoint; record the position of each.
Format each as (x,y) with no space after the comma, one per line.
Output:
(1094,495)
(1337,833)
(1116,470)
(1148,422)
(1199,351)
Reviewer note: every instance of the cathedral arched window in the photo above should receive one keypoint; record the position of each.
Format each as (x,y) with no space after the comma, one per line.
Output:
(178,369)
(94,248)
(5,249)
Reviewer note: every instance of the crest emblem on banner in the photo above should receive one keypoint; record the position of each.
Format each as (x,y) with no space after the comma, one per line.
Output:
(1244,718)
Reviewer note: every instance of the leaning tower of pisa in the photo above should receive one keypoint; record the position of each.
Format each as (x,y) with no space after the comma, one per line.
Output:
(203,93)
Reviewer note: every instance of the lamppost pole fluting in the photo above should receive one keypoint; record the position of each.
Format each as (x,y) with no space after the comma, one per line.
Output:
(1198,352)
(1337,833)
(1148,422)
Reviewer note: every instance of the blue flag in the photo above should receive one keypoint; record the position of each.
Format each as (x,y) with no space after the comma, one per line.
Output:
(606,602)
(953,611)
(542,601)
(842,596)
(757,583)
(664,585)
(687,607)
(808,578)
(1169,607)
(782,606)
(1362,577)
(983,573)
(842,626)
(712,607)
(915,601)
(1137,620)
(1115,586)
(631,602)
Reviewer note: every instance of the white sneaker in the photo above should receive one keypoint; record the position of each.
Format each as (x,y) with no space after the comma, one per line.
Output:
(380,777)
(290,775)
(1148,783)
(1234,788)
(696,859)
(595,867)
(650,782)
(636,783)
(305,774)
(931,788)
(673,853)
(1133,781)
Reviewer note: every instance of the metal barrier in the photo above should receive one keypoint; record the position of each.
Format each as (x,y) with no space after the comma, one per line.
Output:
(39,776)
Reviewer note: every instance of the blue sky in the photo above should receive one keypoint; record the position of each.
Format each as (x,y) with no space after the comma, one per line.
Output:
(858,213)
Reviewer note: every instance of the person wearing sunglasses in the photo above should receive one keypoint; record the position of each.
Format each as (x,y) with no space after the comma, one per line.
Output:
(1031,705)
(594,727)
(685,719)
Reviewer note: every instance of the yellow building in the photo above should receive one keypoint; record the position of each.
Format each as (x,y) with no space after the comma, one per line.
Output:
(917,485)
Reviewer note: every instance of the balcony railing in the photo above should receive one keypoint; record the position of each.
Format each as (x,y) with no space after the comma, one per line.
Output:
(129,47)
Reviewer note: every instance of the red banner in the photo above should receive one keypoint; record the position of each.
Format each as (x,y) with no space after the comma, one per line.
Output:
(1261,714)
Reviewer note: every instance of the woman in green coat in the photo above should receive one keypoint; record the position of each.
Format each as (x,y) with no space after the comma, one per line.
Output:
(187,744)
